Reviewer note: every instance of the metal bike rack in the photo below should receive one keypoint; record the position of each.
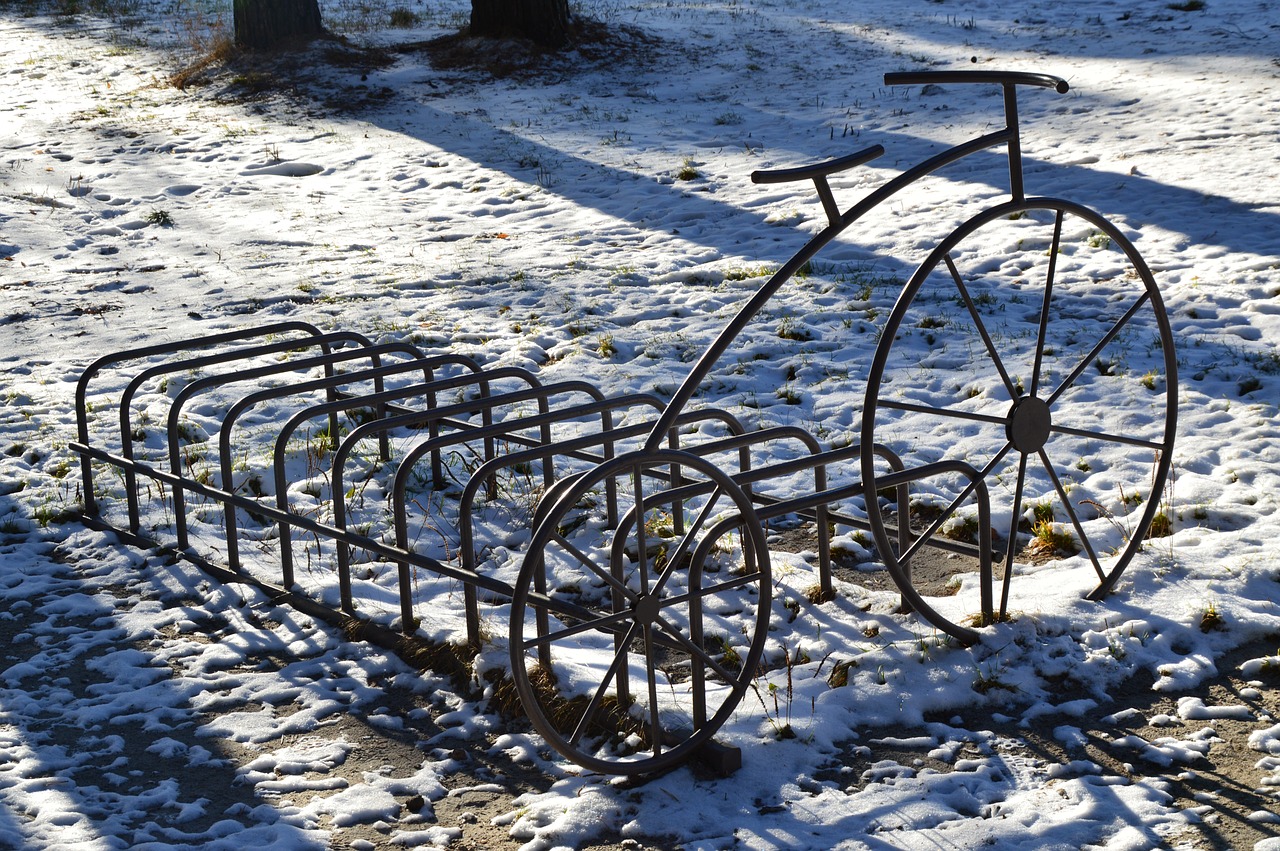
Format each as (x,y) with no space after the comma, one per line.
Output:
(638,616)
(318,393)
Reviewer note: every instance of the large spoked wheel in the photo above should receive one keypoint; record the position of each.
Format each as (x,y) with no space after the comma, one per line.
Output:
(640,612)
(1033,346)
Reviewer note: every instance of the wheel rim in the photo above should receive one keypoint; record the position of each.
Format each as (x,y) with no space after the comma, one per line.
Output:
(631,647)
(1004,350)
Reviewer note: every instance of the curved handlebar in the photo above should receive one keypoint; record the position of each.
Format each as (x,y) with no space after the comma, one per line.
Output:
(1019,78)
(822,169)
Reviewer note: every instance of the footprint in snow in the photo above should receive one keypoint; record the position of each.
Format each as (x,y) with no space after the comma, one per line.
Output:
(285,169)
(107,198)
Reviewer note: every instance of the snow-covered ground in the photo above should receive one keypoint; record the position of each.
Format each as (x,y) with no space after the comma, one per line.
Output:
(600,223)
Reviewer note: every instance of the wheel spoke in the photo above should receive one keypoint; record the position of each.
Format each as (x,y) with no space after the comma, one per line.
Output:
(1043,330)
(1156,446)
(952,413)
(674,556)
(1097,349)
(655,720)
(924,537)
(605,575)
(747,579)
(1071,513)
(982,328)
(590,623)
(642,545)
(597,698)
(694,650)
(1011,546)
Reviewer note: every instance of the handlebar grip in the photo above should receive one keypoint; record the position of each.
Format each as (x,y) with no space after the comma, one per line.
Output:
(1019,78)
(822,169)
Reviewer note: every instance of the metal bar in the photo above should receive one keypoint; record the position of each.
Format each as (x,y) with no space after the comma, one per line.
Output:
(1015,141)
(486,472)
(306,523)
(747,312)
(92,370)
(210,382)
(169,367)
(423,363)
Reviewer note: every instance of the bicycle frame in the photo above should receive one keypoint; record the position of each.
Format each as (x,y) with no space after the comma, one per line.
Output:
(838,222)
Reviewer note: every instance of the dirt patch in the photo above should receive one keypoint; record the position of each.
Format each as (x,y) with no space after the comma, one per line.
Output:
(332,72)
(932,570)
(594,45)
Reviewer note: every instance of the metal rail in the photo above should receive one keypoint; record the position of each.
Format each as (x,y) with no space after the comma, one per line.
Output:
(314,387)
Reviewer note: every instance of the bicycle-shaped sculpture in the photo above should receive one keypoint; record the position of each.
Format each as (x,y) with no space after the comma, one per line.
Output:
(641,607)
(664,602)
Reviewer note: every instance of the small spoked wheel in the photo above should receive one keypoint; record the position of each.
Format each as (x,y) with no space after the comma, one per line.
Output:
(640,612)
(1032,346)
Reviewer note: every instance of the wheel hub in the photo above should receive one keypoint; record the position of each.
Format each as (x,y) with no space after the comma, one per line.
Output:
(647,608)
(1029,422)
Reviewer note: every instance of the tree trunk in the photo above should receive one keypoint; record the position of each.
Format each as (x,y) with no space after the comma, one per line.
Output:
(544,22)
(267,23)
